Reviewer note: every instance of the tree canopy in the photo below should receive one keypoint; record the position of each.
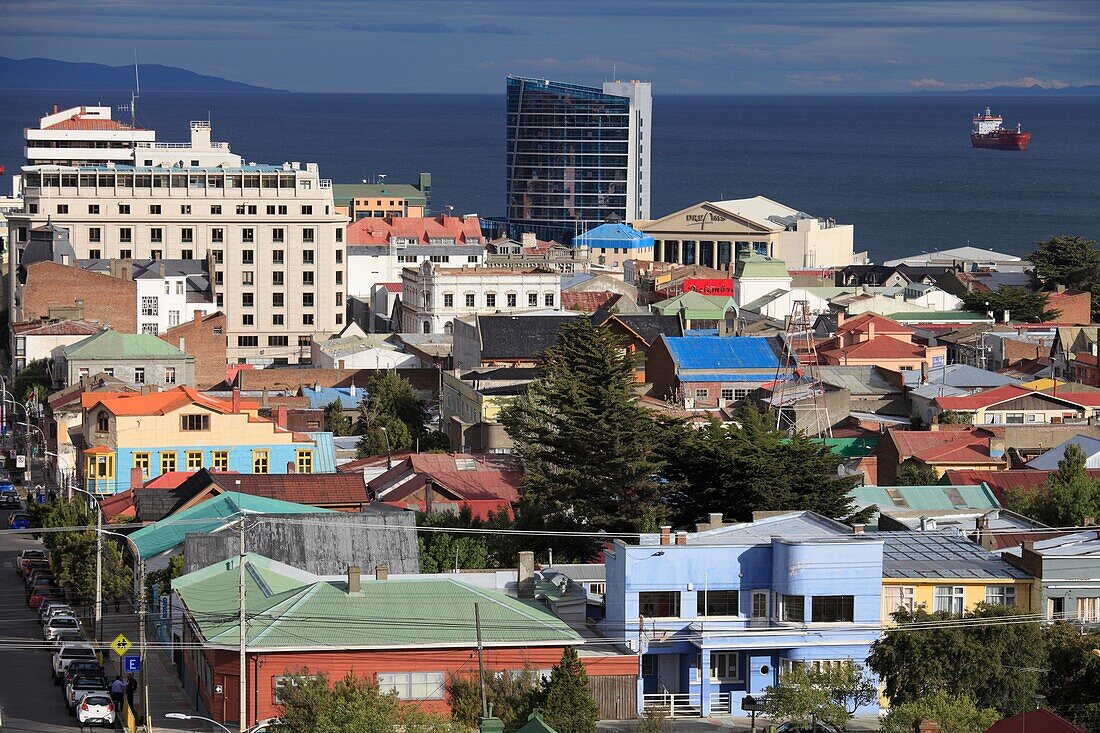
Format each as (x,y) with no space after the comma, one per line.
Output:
(805,695)
(391,416)
(73,554)
(1021,304)
(1070,494)
(352,704)
(954,713)
(1072,262)
(567,703)
(336,422)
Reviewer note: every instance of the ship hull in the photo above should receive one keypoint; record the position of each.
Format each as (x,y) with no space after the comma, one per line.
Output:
(1002,141)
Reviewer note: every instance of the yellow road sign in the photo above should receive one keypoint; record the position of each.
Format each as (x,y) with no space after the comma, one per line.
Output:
(121,645)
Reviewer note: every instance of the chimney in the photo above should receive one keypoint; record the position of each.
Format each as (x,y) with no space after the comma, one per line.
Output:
(280,416)
(354,581)
(525,575)
(183,345)
(666,532)
(714,519)
(381,572)
(137,478)
(290,466)
(857,529)
(198,316)
(681,538)
(161,268)
(429,491)
(236,400)
(353,390)
(871,329)
(924,372)
(926,725)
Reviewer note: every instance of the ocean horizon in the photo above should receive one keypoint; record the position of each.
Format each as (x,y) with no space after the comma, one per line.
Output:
(898,167)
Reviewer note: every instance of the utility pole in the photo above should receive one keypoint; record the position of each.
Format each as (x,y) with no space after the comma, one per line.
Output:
(144,653)
(243,695)
(99,571)
(481,661)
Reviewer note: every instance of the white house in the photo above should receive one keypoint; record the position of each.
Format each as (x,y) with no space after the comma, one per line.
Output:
(358,351)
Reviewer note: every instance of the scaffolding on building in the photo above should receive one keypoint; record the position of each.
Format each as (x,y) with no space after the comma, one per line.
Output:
(798,395)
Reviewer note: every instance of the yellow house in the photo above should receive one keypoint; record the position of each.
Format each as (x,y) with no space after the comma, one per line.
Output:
(181,430)
(941,571)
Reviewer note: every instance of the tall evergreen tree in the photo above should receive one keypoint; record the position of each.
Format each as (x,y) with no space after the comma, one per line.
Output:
(567,703)
(588,447)
(1073,262)
(1070,495)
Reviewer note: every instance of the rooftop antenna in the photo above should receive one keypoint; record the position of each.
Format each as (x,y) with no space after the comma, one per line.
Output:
(134,94)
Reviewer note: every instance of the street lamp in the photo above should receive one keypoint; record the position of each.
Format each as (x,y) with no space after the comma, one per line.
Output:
(389,453)
(185,716)
(139,574)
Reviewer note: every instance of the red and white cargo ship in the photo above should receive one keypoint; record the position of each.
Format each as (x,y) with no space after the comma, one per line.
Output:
(989,132)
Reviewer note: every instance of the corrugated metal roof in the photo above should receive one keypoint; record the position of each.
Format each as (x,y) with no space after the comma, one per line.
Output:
(1049,460)
(115,345)
(941,555)
(723,352)
(925,497)
(292,609)
(726,377)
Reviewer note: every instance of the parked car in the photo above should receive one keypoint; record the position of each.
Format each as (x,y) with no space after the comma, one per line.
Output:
(83,684)
(70,653)
(28,564)
(30,555)
(49,609)
(68,637)
(79,666)
(44,593)
(38,574)
(264,726)
(19,520)
(818,727)
(59,624)
(44,581)
(10,499)
(95,708)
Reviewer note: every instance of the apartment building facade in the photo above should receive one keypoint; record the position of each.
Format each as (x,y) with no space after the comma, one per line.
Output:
(270,233)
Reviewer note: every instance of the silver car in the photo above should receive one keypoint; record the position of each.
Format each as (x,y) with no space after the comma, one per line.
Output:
(58,625)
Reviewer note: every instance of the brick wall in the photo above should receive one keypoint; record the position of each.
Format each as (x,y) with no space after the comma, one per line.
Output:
(204,339)
(1016,350)
(1074,306)
(109,300)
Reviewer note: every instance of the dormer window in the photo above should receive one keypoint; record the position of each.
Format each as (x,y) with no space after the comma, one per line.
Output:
(102,422)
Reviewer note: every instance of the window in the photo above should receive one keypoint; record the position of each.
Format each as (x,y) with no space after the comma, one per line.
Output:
(727,395)
(511,300)
(125,254)
(490,300)
(897,597)
(281,683)
(307,210)
(792,608)
(412,685)
(185,208)
(659,604)
(95,234)
(94,254)
(125,234)
(277,257)
(247,277)
(277,299)
(307,277)
(248,299)
(760,604)
(169,375)
(949,598)
(472,259)
(307,319)
(725,666)
(101,466)
(102,422)
(702,394)
(740,394)
(154,208)
(187,234)
(191,423)
(278,319)
(248,256)
(124,208)
(271,210)
(217,234)
(141,460)
(470,299)
(149,305)
(448,300)
(278,341)
(219,460)
(187,254)
(155,254)
(167,461)
(248,234)
(248,341)
(278,234)
(305,461)
(305,340)
(1088,608)
(717,603)
(533,300)
(260,461)
(156,235)
(248,319)
(139,375)
(649,665)
(307,256)
(194,460)
(216,209)
(277,277)
(307,300)
(549,301)
(1000,595)
(833,609)
(307,234)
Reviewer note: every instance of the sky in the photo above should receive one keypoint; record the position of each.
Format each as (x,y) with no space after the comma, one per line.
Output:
(682,46)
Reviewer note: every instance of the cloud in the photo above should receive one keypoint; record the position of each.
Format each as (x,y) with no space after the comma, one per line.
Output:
(496,29)
(413,28)
(1024,82)
(815,79)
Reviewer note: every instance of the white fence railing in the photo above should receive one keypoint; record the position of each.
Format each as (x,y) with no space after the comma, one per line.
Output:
(674,705)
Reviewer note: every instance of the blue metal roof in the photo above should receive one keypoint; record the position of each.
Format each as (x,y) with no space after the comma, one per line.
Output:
(126,168)
(324,455)
(726,377)
(722,352)
(613,235)
(320,398)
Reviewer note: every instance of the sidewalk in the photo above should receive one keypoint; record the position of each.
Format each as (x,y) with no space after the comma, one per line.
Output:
(166,693)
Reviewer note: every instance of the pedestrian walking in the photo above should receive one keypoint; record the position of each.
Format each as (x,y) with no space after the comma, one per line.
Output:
(131,688)
(118,689)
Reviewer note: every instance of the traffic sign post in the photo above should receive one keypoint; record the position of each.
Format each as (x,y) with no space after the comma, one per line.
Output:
(131,663)
(121,645)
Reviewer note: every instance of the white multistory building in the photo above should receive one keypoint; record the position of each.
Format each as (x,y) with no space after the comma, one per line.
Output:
(271,233)
(83,136)
(432,296)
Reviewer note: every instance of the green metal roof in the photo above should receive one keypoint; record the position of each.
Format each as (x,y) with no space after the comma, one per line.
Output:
(758,265)
(940,316)
(342,193)
(696,306)
(925,498)
(115,345)
(289,608)
(207,517)
(852,447)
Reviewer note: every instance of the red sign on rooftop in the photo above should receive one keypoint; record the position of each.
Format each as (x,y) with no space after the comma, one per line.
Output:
(709,287)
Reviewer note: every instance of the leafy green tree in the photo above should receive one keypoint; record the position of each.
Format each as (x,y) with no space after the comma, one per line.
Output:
(951,417)
(351,705)
(918,475)
(73,553)
(384,435)
(986,661)
(1070,495)
(1072,679)
(749,466)
(392,404)
(511,695)
(954,713)
(34,376)
(1022,304)
(162,579)
(805,695)
(1070,261)
(567,703)
(587,446)
(336,422)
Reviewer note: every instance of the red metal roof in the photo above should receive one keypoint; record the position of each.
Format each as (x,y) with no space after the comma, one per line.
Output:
(423,229)
(585,302)
(481,482)
(880,347)
(943,446)
(393,287)
(314,489)
(77,122)
(985,398)
(1039,720)
(862,322)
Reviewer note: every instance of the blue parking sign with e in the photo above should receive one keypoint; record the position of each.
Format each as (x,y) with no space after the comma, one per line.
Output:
(131,664)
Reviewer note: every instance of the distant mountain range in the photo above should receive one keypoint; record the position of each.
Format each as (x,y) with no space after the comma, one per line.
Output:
(1007,91)
(48,75)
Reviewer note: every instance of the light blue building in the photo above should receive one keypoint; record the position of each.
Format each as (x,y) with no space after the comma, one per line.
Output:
(718,614)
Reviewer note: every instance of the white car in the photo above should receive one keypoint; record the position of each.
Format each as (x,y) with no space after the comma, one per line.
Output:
(264,726)
(96,708)
(58,625)
(69,653)
(56,609)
